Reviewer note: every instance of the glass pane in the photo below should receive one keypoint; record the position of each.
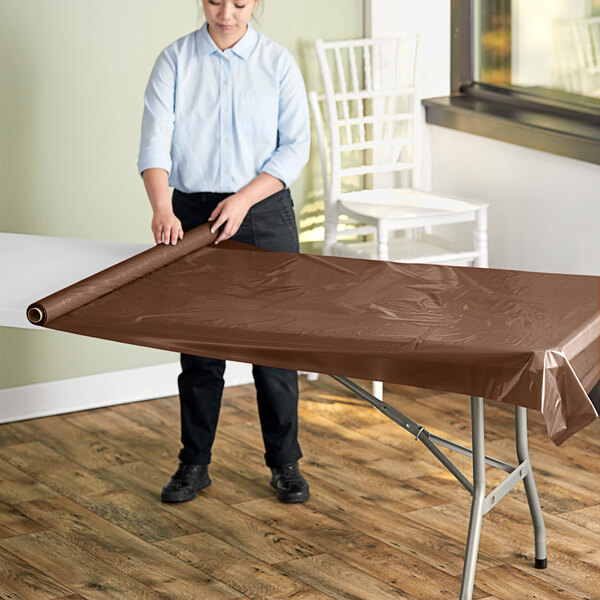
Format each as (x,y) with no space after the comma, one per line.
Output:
(539,43)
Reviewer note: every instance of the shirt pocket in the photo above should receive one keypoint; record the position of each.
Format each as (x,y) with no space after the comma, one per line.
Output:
(258,113)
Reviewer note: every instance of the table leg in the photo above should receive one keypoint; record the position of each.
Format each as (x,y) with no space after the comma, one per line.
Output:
(481,503)
(535,509)
(478,436)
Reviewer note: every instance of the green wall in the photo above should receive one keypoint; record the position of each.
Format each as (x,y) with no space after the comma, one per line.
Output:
(72,78)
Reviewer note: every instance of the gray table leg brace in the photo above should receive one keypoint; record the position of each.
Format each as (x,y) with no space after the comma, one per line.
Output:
(481,503)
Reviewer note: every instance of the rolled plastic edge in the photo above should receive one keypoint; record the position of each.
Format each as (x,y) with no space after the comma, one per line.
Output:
(36,313)
(116,276)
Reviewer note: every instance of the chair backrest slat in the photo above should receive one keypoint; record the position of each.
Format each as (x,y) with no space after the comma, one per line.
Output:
(371,144)
(369,119)
(367,95)
(382,168)
(367,68)
(314,102)
(356,89)
(344,90)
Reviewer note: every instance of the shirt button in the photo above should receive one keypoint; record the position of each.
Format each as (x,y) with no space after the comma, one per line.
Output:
(226,109)
(226,140)
(226,170)
(226,81)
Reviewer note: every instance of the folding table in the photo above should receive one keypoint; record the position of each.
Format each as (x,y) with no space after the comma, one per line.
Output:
(524,338)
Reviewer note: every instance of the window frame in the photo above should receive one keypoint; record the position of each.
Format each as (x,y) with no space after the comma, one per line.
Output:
(540,118)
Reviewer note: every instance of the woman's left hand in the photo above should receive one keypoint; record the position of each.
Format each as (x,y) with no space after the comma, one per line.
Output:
(230,212)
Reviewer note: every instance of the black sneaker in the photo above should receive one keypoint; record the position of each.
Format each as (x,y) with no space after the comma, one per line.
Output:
(184,484)
(289,483)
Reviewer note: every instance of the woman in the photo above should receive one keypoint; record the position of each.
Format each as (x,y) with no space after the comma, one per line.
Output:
(226,125)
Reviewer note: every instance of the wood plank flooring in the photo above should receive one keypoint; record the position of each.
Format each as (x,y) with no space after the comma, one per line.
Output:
(81,518)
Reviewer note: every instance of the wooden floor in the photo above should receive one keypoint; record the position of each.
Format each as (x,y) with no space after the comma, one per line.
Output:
(80,515)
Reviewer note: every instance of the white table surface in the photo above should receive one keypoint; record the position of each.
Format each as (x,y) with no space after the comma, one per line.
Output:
(35,266)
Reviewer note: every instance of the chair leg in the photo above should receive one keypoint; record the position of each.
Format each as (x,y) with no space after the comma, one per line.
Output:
(378,389)
(476,519)
(382,241)
(539,528)
(481,238)
(331,224)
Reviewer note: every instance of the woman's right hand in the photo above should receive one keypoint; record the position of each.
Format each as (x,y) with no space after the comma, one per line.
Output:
(166,227)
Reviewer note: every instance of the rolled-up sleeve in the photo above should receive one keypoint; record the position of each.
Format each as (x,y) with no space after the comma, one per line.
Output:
(293,128)
(158,119)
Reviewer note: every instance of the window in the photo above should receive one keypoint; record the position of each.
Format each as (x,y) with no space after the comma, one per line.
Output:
(552,44)
(526,72)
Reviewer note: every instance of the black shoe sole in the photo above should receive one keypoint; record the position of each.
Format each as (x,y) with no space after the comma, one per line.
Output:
(288,500)
(184,497)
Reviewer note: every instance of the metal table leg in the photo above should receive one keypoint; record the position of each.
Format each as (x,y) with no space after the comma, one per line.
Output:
(481,503)
(533,500)
(478,435)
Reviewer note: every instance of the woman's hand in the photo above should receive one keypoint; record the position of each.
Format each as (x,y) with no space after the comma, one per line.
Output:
(166,227)
(230,212)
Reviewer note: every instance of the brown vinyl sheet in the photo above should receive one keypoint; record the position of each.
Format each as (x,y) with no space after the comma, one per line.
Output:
(525,338)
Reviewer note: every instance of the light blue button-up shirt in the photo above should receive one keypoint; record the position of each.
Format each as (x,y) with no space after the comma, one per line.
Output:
(215,119)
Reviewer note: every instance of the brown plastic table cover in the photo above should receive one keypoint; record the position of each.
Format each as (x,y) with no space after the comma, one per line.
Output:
(525,338)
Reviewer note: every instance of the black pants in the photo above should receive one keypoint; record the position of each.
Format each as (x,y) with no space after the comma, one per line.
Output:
(269,224)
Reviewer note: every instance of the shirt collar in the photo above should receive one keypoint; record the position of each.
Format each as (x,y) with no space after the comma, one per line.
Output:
(242,48)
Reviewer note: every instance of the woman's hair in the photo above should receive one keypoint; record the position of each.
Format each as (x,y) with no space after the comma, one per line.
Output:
(257,12)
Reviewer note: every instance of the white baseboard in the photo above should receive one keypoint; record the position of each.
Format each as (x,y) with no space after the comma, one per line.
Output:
(104,389)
